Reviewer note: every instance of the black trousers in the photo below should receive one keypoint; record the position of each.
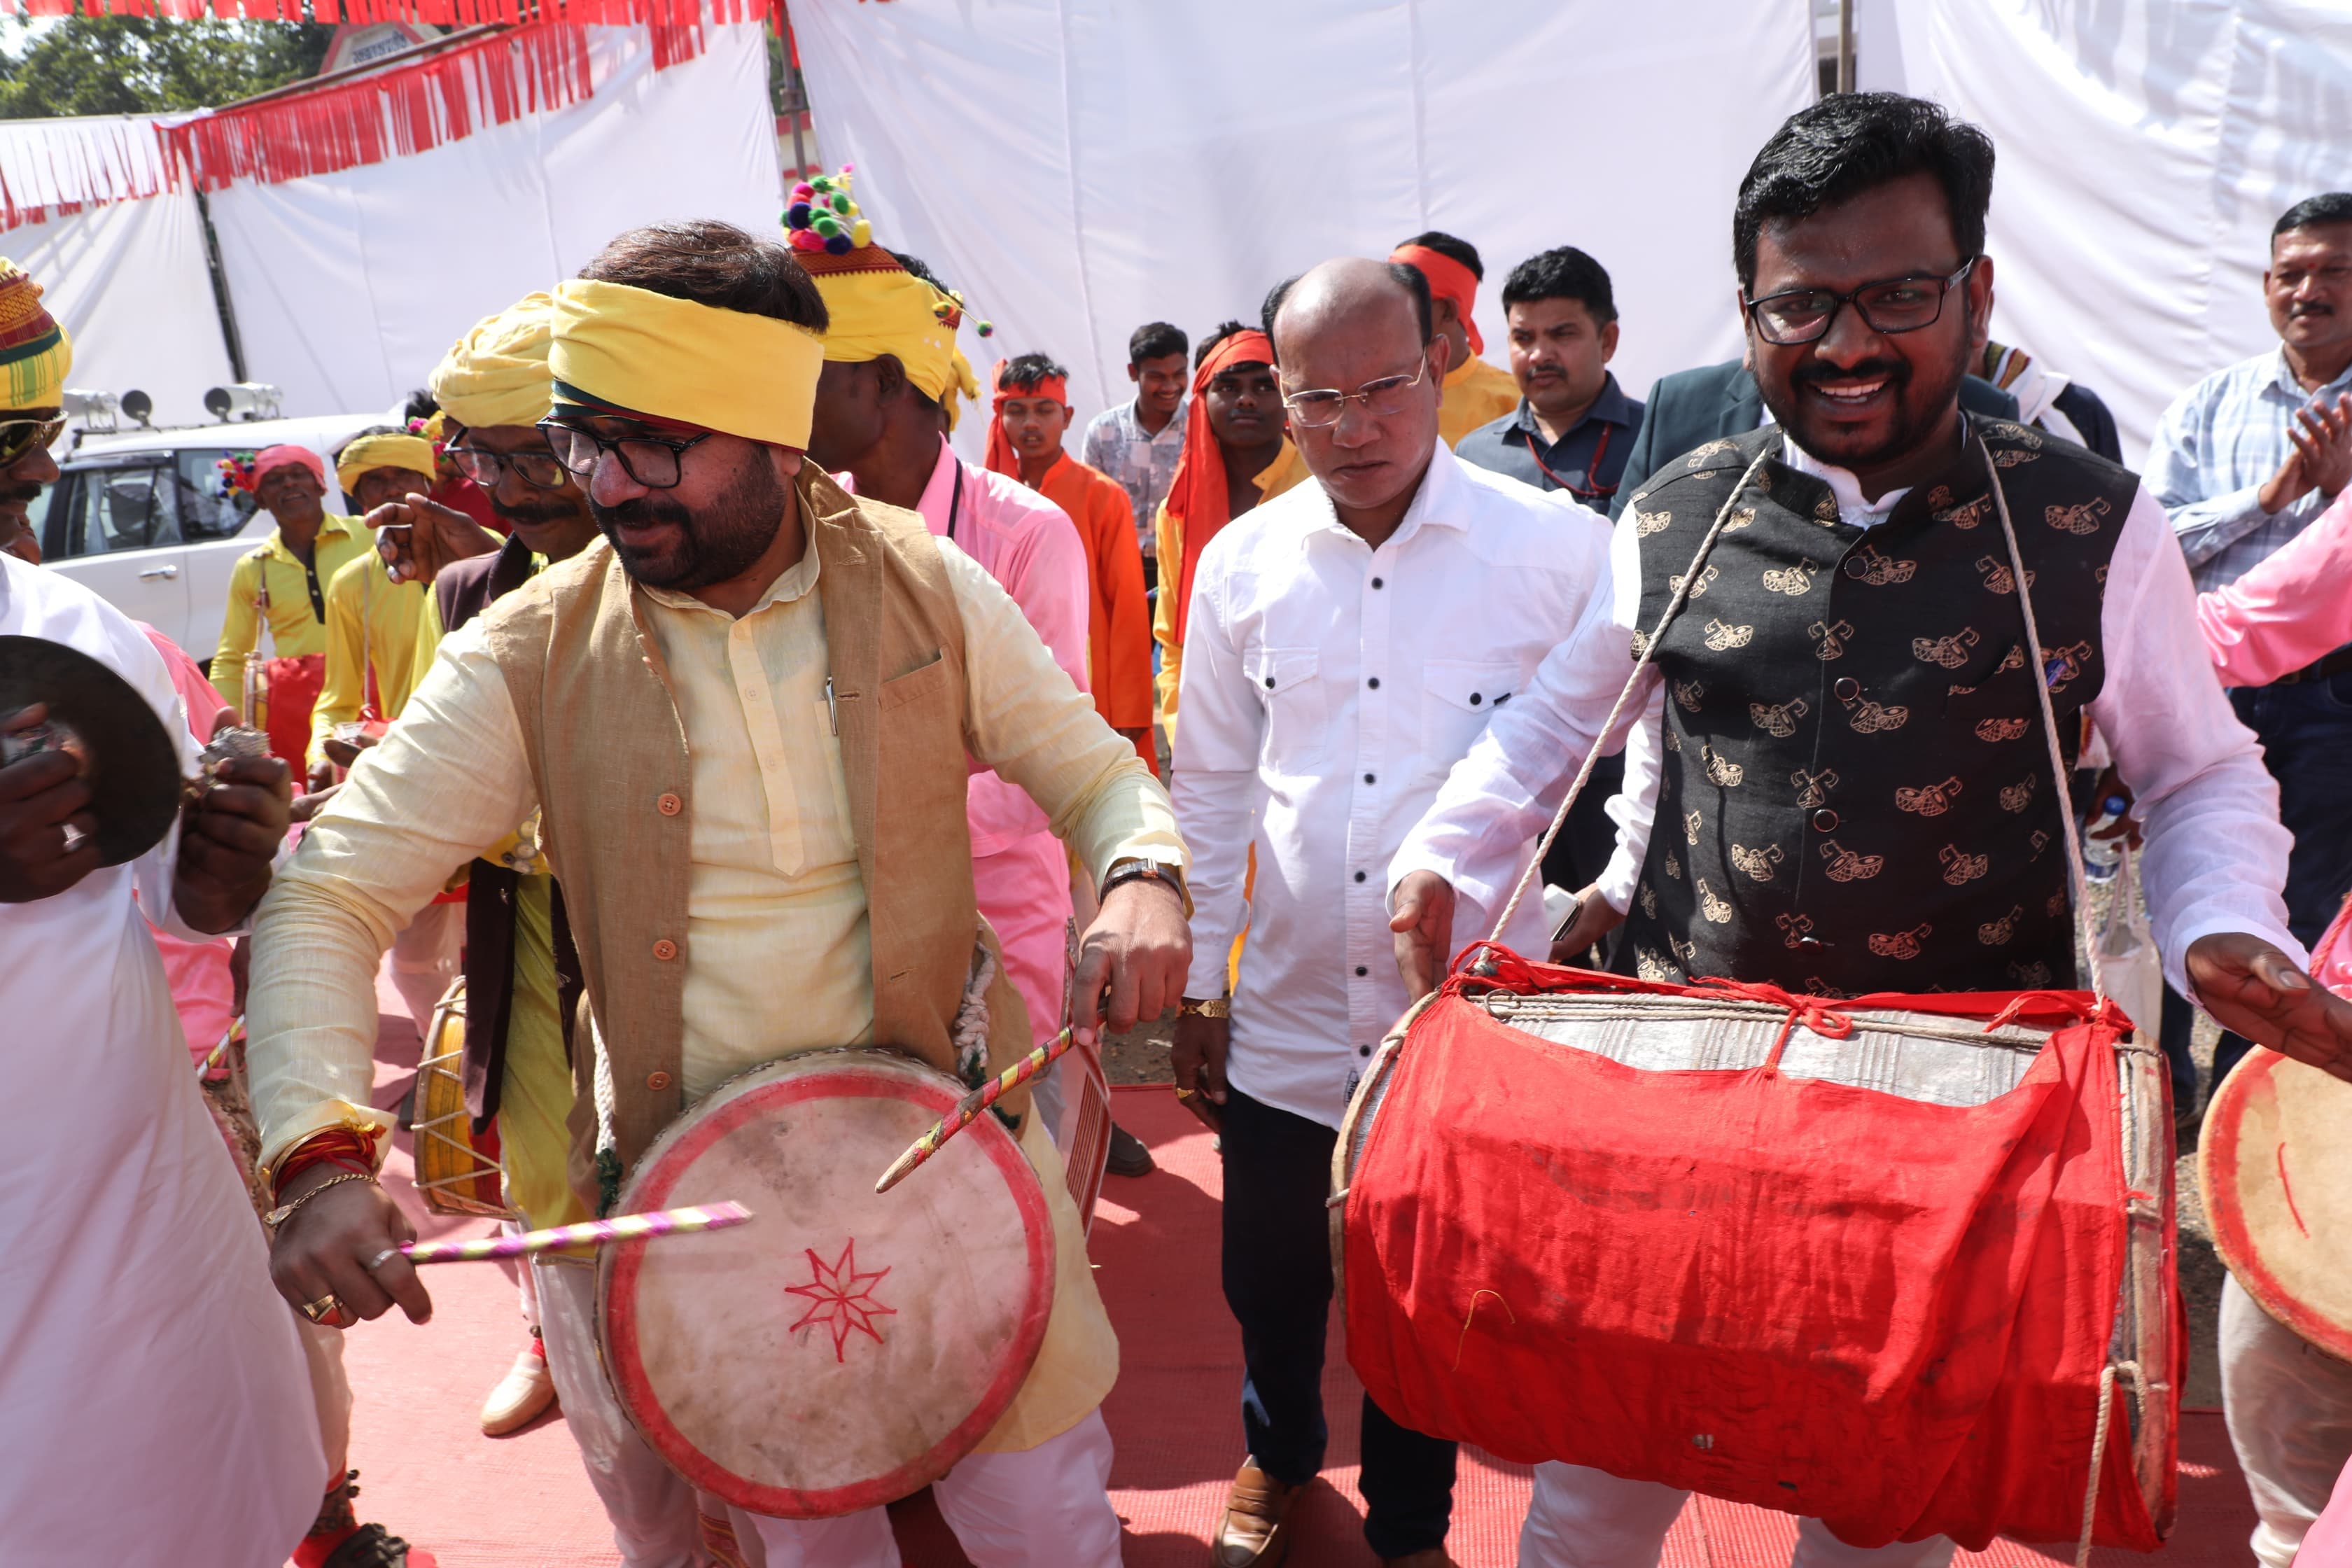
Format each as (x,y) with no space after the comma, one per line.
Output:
(1277,1278)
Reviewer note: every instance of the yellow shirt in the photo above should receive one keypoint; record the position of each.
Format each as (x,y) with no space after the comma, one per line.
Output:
(295,629)
(1288,471)
(1476,393)
(535,1102)
(372,623)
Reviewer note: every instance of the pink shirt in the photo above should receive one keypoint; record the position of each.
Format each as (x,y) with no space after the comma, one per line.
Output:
(197,971)
(1032,548)
(2293,607)
(2328,1542)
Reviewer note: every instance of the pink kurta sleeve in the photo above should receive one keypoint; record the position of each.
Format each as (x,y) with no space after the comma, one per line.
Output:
(2293,607)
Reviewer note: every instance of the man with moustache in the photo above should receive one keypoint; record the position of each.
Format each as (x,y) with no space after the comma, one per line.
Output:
(1859,634)
(1573,424)
(1348,640)
(1238,456)
(2246,462)
(704,711)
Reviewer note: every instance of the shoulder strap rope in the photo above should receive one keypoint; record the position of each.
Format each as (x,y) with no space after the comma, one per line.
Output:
(1625,695)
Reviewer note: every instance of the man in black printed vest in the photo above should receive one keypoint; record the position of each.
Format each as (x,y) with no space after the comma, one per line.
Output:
(1852,779)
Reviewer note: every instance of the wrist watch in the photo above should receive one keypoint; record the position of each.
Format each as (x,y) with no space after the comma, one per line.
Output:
(1215,1007)
(1136,868)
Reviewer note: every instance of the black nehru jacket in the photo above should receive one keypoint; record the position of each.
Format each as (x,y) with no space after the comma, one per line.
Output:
(1856,792)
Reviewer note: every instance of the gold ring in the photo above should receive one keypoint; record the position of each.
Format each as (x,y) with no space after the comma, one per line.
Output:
(325,1307)
(1185,1093)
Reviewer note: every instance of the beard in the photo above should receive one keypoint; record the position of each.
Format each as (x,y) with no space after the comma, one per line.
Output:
(1919,398)
(687,549)
(534,514)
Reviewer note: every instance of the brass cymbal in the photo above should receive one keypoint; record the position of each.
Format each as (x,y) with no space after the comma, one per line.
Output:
(128,758)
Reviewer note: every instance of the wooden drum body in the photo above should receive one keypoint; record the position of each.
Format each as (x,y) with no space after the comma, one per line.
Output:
(458,1172)
(1872,1261)
(2275,1168)
(843,1348)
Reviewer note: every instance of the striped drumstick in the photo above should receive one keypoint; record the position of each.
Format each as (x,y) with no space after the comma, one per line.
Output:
(620,1228)
(977,1101)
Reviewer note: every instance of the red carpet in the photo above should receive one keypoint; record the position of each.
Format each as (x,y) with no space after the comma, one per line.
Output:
(428,1473)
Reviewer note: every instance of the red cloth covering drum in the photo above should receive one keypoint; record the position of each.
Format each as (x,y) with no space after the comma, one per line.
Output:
(843,1348)
(1867,1260)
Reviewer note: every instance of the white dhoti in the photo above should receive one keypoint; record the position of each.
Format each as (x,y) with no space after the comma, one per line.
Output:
(1581,1518)
(2288,1404)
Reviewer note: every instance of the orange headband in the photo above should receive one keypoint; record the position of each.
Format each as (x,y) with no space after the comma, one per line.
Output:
(1448,280)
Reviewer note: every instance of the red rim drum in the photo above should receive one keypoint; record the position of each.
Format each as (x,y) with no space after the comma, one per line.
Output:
(842,1348)
(2276,1174)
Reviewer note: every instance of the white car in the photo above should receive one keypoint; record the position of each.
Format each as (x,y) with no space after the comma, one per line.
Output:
(143,518)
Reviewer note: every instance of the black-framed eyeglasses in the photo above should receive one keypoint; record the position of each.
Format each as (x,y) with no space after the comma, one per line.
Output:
(487,469)
(1322,406)
(652,461)
(21,436)
(1894,306)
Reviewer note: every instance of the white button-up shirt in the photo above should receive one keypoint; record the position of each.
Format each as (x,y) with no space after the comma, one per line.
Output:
(2215,857)
(1328,689)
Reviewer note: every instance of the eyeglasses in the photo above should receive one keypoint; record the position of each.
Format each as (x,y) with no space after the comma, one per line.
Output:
(20,437)
(487,469)
(1323,405)
(651,461)
(1897,305)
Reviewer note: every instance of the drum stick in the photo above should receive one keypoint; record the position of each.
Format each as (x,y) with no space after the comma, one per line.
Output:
(978,1101)
(620,1228)
(213,1057)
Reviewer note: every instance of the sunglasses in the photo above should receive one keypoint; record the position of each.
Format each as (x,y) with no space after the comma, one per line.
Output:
(20,437)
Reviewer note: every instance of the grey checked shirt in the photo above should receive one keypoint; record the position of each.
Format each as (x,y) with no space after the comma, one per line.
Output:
(1143,465)
(2215,448)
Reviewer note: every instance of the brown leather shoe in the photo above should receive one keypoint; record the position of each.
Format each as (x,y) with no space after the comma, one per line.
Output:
(1253,1532)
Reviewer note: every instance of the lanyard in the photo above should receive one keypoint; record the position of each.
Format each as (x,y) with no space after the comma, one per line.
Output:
(955,498)
(1599,451)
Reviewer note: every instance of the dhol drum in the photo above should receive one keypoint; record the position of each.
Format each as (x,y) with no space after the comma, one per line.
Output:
(843,1348)
(458,1170)
(2276,1175)
(1901,1263)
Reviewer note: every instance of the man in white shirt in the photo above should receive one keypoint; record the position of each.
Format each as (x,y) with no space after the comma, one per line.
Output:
(154,1421)
(1854,775)
(1348,640)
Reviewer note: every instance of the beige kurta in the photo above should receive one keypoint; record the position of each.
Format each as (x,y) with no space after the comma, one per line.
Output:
(776,905)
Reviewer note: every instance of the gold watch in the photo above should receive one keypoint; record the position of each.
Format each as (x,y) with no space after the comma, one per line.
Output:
(1215,1007)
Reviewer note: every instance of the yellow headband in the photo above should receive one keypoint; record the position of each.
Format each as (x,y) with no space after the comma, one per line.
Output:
(497,374)
(413,453)
(752,376)
(891,312)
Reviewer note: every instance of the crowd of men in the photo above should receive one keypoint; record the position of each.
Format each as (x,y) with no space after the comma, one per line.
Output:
(570,684)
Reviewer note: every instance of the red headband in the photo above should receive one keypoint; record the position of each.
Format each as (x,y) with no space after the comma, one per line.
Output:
(1448,280)
(1002,458)
(278,457)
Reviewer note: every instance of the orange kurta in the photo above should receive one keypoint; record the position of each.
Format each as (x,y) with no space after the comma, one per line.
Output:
(1118,623)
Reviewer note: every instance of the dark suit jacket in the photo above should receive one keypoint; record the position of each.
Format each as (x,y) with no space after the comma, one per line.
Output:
(1692,408)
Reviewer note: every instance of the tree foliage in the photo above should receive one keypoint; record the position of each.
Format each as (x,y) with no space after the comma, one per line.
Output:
(145,65)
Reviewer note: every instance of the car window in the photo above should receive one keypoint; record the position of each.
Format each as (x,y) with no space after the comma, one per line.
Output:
(210,507)
(125,509)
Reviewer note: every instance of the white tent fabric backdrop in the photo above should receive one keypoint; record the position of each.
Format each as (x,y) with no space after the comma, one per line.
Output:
(1079,167)
(128,281)
(350,287)
(2146,148)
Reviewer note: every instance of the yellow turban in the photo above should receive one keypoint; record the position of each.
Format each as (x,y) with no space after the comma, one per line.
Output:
(633,351)
(35,352)
(367,454)
(878,308)
(497,374)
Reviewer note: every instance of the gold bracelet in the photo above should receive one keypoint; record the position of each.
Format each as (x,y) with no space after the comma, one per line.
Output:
(1216,1007)
(285,1211)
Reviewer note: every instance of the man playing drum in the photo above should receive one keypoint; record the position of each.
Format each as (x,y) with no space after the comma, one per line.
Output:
(762,689)
(1854,760)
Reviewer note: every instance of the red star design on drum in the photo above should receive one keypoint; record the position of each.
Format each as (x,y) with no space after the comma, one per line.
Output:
(844,1297)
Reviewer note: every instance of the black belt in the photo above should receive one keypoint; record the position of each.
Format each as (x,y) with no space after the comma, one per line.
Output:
(2333,664)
